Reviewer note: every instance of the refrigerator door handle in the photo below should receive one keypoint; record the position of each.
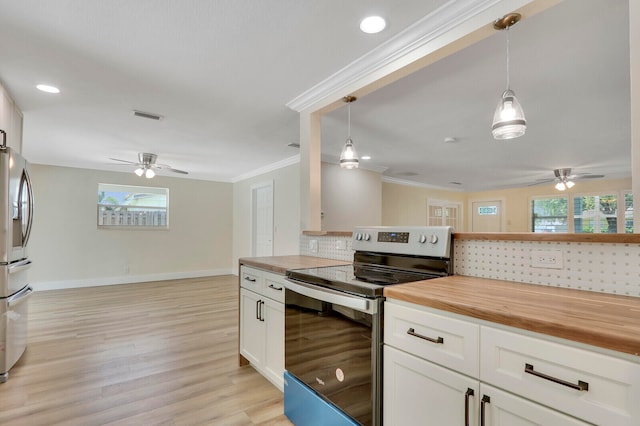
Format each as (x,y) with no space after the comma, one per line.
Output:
(20,297)
(19,266)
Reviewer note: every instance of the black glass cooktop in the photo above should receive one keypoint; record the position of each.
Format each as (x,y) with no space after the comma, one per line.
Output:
(362,281)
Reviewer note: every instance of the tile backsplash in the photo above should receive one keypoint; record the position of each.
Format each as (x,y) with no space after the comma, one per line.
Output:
(601,267)
(329,247)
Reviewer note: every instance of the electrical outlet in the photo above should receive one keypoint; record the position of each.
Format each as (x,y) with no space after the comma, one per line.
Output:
(551,259)
(341,245)
(313,246)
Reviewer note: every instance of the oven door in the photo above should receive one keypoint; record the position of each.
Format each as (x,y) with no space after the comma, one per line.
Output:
(333,345)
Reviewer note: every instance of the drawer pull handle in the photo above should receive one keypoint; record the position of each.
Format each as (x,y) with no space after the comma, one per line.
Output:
(275,288)
(253,280)
(485,400)
(581,386)
(412,332)
(468,394)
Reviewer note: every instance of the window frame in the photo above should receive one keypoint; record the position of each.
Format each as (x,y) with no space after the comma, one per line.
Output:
(124,221)
(547,197)
(620,195)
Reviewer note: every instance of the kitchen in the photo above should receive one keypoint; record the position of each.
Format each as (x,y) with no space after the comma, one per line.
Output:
(50,177)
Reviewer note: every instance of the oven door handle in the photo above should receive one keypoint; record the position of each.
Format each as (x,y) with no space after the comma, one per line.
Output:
(331,296)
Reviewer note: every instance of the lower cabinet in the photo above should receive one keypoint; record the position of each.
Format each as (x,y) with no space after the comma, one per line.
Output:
(262,326)
(522,380)
(418,392)
(499,408)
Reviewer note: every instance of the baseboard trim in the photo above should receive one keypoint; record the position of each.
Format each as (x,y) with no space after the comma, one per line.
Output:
(127,279)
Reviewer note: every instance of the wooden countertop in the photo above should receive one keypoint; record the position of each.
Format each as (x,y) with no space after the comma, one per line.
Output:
(280,264)
(598,319)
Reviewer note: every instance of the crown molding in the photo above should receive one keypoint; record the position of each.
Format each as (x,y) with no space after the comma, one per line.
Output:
(388,179)
(410,40)
(268,168)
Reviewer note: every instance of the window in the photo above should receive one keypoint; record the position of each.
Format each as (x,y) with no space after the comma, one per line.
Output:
(443,213)
(132,206)
(550,214)
(628,213)
(591,213)
(595,214)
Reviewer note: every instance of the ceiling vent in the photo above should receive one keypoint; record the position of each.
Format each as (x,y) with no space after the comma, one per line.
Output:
(148,115)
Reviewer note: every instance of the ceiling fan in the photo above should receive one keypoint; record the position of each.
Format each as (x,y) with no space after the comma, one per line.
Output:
(564,179)
(147,165)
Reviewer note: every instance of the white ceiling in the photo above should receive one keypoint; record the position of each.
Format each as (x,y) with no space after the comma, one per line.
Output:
(221,73)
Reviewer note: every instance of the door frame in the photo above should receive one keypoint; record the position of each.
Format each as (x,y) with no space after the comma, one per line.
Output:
(503,203)
(253,218)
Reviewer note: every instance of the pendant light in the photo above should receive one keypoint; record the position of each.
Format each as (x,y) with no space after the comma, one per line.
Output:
(348,156)
(508,120)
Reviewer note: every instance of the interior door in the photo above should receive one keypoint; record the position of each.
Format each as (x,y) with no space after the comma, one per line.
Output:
(262,220)
(486,216)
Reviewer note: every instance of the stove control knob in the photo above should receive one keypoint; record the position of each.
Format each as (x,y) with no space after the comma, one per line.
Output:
(433,238)
(358,236)
(422,239)
(366,237)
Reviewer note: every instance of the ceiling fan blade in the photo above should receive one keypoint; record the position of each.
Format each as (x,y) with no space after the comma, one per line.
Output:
(124,161)
(541,182)
(588,176)
(177,171)
(169,168)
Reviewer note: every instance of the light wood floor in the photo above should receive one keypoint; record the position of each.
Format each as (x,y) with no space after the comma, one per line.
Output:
(142,354)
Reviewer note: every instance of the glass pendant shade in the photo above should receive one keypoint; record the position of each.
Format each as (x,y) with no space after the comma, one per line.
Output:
(560,186)
(508,121)
(348,156)
(149,173)
(570,184)
(139,171)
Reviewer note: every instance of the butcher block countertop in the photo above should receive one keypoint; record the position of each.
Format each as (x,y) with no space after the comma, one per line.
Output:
(280,264)
(598,319)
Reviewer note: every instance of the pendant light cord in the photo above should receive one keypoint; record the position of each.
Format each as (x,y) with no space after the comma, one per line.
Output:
(349,120)
(508,82)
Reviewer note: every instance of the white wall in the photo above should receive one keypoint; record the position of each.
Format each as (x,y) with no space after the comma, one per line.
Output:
(286,215)
(69,250)
(350,198)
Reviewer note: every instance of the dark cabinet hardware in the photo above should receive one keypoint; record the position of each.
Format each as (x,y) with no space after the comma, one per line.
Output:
(412,332)
(581,386)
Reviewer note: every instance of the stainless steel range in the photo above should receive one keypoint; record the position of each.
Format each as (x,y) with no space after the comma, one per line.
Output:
(333,323)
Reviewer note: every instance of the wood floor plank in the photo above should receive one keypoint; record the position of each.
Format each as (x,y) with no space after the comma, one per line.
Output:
(162,353)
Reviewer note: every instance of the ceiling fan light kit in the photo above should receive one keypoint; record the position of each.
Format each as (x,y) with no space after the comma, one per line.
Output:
(349,156)
(147,165)
(508,120)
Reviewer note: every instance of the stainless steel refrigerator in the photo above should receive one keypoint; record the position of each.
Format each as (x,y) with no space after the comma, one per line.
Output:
(16,218)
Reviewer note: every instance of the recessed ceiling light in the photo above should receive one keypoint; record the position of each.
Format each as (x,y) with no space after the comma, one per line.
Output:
(366,157)
(47,88)
(372,24)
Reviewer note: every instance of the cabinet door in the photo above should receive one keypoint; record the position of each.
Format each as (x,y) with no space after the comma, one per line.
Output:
(418,392)
(252,336)
(273,314)
(504,409)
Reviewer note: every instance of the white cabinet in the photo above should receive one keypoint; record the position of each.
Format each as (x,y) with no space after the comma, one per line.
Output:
(262,322)
(430,369)
(10,120)
(521,379)
(599,388)
(419,392)
(499,408)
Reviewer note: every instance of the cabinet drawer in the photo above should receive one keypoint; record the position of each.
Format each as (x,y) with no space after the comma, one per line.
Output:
(453,343)
(251,278)
(274,286)
(552,374)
